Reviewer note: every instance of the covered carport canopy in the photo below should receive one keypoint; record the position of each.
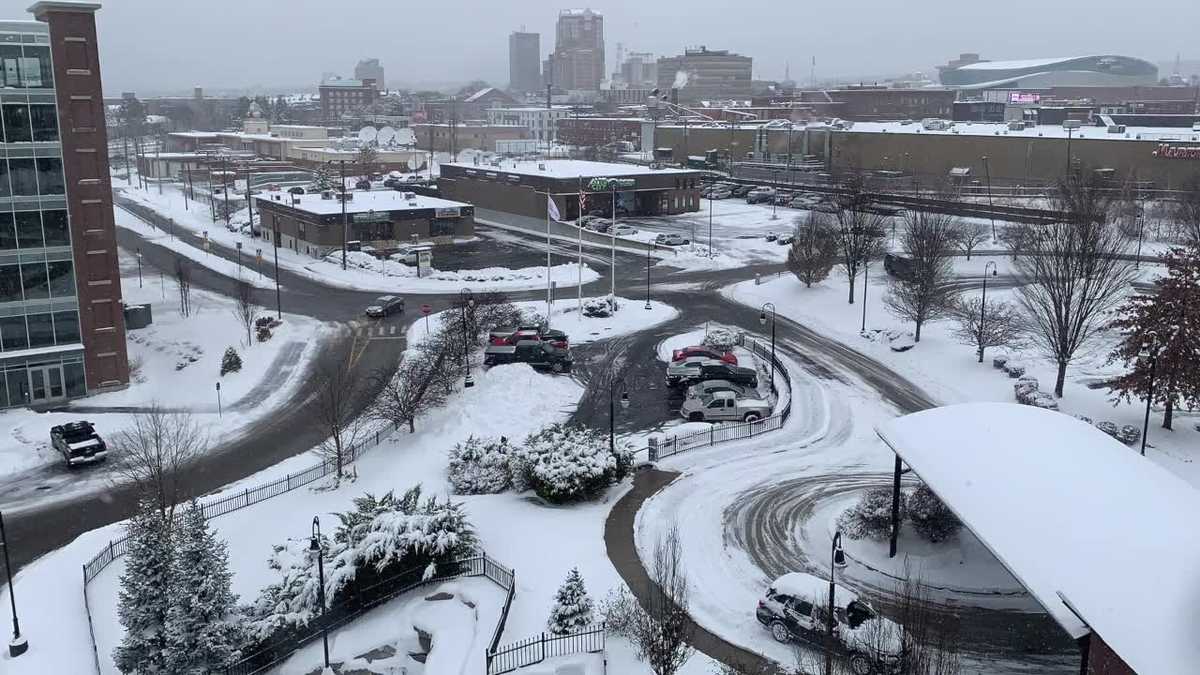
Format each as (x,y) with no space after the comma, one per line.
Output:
(1107,541)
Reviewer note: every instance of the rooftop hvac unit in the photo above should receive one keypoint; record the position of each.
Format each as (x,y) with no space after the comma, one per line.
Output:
(327,194)
(346,197)
(541,166)
(1016,125)
(410,195)
(1116,128)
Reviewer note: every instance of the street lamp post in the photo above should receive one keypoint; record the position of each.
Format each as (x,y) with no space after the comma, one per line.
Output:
(139,259)
(837,559)
(18,645)
(710,219)
(983,306)
(762,319)
(612,412)
(314,547)
(648,249)
(987,172)
(866,270)
(774,205)
(278,300)
(467,300)
(345,222)
(1149,354)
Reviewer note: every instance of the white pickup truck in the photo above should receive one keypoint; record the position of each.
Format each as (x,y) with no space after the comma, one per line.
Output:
(724,406)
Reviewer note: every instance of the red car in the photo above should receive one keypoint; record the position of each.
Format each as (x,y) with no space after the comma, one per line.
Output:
(511,336)
(699,350)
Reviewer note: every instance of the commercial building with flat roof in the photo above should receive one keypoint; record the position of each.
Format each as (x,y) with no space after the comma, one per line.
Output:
(62,329)
(1098,70)
(542,122)
(344,97)
(706,74)
(314,224)
(474,135)
(521,187)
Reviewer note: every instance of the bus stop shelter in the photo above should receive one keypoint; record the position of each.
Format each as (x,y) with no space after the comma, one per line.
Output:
(1107,541)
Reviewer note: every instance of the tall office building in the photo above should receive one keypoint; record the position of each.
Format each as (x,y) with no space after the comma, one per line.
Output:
(370,69)
(62,329)
(524,62)
(578,58)
(706,74)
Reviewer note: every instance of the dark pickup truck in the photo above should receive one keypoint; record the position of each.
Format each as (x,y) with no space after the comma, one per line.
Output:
(78,443)
(541,355)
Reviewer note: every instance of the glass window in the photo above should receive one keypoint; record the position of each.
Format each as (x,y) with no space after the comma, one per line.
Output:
(23,176)
(54,226)
(8,232)
(66,327)
(62,279)
(10,56)
(18,386)
(13,335)
(10,283)
(41,330)
(16,124)
(29,229)
(44,119)
(76,385)
(35,281)
(50,176)
(35,67)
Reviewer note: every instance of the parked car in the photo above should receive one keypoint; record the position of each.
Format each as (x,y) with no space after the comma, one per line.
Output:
(410,254)
(601,225)
(78,443)
(588,222)
(701,350)
(700,368)
(362,185)
(724,406)
(795,608)
(671,239)
(538,354)
(782,198)
(714,386)
(760,195)
(771,236)
(297,190)
(741,190)
(392,182)
(785,239)
(687,370)
(625,230)
(512,335)
(385,305)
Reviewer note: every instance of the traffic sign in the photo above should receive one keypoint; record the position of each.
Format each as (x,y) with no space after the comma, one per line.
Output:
(426,309)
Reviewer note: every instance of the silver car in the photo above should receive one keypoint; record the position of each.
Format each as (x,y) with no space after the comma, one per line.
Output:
(713,386)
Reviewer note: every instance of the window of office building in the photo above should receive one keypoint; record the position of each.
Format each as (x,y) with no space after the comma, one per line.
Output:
(62,278)
(41,330)
(8,231)
(29,229)
(35,281)
(66,327)
(13,335)
(44,119)
(50,176)
(26,66)
(55,228)
(10,283)
(17,128)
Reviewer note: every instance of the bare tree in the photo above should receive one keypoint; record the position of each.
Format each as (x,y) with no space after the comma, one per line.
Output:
(859,228)
(814,250)
(1187,211)
(410,391)
(245,308)
(969,234)
(366,161)
(336,414)
(1074,272)
(183,277)
(1002,325)
(924,292)
(932,642)
(153,453)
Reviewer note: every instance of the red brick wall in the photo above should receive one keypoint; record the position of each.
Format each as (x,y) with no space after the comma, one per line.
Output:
(1102,660)
(89,195)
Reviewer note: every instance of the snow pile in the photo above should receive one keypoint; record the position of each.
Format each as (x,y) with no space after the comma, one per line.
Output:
(498,275)
(722,339)
(896,340)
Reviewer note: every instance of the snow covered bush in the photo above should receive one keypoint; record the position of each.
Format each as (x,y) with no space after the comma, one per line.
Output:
(600,307)
(930,517)
(479,466)
(1127,434)
(999,361)
(569,463)
(291,602)
(871,517)
(572,609)
(1014,369)
(720,338)
(230,362)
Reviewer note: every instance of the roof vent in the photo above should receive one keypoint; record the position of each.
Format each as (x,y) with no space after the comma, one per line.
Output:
(346,197)
(327,194)
(541,166)
(410,195)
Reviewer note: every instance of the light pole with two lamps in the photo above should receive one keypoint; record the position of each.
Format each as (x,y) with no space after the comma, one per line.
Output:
(837,560)
(762,319)
(983,306)
(466,301)
(315,548)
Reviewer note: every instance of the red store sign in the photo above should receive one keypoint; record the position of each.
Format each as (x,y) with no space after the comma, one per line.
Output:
(1168,151)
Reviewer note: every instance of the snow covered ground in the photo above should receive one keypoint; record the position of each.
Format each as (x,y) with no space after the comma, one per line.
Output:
(176,364)
(366,273)
(739,232)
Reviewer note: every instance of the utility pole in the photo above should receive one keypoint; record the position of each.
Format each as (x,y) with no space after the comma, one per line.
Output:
(345,222)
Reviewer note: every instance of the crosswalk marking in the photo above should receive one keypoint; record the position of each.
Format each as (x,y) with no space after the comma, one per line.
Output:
(371,330)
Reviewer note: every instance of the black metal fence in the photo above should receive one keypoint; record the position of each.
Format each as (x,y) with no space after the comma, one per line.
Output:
(673,445)
(363,600)
(240,500)
(538,648)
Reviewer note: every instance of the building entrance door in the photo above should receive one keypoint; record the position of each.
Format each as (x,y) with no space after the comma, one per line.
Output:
(46,384)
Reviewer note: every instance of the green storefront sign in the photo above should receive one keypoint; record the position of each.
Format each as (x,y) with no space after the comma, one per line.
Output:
(607,184)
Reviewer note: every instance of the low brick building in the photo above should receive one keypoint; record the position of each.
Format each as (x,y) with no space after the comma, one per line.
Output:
(313,224)
(461,136)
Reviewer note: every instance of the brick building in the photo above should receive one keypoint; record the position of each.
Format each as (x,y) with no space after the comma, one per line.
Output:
(864,104)
(343,97)
(473,135)
(62,330)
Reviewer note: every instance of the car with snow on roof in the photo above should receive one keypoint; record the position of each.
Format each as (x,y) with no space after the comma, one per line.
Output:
(713,386)
(78,443)
(796,607)
(702,350)
(538,354)
(724,406)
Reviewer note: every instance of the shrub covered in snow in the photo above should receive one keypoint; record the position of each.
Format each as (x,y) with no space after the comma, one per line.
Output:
(999,361)
(572,609)
(1014,369)
(600,307)
(568,463)
(1027,393)
(721,339)
(291,602)
(930,517)
(480,466)
(1127,434)
(896,340)
(871,517)
(230,362)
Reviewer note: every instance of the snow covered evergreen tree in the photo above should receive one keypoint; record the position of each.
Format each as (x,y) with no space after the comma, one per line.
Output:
(145,595)
(323,179)
(202,634)
(572,609)
(230,361)
(871,517)
(930,517)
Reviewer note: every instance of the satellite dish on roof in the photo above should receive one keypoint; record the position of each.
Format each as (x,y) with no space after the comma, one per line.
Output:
(386,136)
(367,134)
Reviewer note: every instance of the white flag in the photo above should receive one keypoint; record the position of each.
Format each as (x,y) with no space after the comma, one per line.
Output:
(552,208)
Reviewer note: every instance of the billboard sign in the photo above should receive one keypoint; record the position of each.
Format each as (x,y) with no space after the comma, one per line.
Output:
(1024,97)
(448,212)
(606,184)
(424,262)
(1171,151)
(373,217)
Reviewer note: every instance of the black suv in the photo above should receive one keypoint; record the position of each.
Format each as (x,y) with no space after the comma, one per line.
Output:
(78,443)
(541,355)
(747,377)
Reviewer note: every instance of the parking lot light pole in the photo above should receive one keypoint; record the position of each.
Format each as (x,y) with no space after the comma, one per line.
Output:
(775,183)
(648,249)
(612,412)
(710,218)
(762,319)
(18,645)
(866,270)
(314,547)
(987,172)
(1148,355)
(837,558)
(467,299)
(983,305)
(139,259)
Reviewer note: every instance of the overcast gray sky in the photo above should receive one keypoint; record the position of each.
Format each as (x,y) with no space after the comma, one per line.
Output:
(157,45)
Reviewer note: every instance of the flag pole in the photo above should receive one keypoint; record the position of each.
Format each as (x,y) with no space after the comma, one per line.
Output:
(612,272)
(549,205)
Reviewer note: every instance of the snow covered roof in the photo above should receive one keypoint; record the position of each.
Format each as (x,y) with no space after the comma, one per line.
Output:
(1075,516)
(1045,130)
(570,168)
(1018,63)
(362,202)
